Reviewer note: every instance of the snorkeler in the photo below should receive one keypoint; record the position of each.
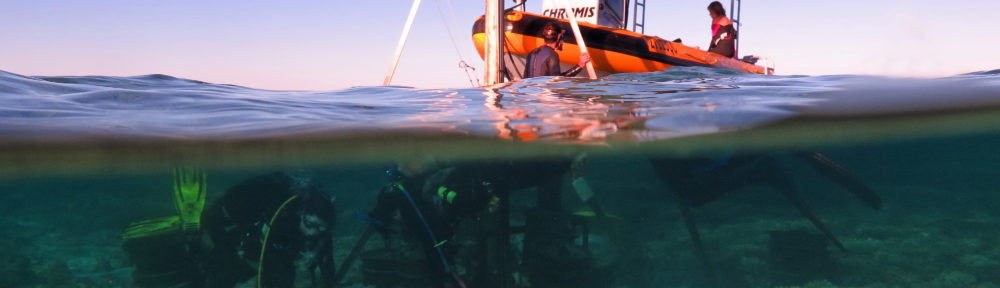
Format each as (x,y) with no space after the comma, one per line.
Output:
(723,32)
(264,227)
(544,60)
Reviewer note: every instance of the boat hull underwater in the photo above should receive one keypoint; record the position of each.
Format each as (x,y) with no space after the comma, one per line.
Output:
(612,50)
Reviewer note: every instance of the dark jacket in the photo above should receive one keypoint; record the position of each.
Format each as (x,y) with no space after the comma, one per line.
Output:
(724,41)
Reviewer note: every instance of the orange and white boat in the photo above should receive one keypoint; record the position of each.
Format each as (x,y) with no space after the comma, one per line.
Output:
(612,48)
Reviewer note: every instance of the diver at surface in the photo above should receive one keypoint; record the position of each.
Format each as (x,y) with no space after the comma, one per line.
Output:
(723,32)
(267,227)
(544,60)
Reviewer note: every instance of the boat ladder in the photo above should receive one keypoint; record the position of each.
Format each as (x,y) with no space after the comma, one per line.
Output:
(639,25)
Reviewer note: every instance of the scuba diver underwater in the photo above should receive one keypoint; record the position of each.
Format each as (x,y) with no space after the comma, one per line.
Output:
(264,229)
(448,227)
(454,222)
(427,222)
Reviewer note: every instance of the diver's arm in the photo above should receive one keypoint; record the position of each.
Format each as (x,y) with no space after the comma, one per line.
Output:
(584,58)
(572,71)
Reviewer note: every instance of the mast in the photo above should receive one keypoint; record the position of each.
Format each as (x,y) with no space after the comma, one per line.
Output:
(402,42)
(494,42)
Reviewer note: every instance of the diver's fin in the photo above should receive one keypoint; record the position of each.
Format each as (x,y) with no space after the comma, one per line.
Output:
(783,185)
(842,177)
(699,247)
(189,195)
(601,220)
(152,227)
(592,214)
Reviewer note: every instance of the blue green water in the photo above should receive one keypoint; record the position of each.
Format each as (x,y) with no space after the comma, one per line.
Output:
(82,157)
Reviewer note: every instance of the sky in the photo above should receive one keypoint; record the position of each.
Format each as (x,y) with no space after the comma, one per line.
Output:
(336,44)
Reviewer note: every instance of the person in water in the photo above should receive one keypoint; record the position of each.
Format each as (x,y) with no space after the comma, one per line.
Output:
(265,228)
(424,210)
(544,60)
(428,207)
(723,32)
(268,226)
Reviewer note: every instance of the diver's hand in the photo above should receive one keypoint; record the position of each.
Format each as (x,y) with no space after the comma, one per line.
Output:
(584,58)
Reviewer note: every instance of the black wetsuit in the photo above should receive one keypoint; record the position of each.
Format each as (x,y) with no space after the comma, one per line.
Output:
(475,186)
(395,199)
(544,61)
(237,221)
(724,41)
(296,218)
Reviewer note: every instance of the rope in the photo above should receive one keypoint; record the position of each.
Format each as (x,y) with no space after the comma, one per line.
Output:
(430,233)
(466,67)
(510,56)
(437,247)
(514,7)
(461,63)
(267,235)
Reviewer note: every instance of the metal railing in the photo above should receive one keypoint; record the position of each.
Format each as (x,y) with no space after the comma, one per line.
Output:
(734,15)
(639,25)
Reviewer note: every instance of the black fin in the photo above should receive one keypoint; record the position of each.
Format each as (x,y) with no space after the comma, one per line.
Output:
(796,200)
(699,247)
(842,177)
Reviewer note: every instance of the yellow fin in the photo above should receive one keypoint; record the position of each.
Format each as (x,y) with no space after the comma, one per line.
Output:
(589,213)
(152,227)
(189,195)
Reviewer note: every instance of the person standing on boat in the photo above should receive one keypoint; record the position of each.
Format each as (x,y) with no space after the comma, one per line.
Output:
(723,32)
(544,60)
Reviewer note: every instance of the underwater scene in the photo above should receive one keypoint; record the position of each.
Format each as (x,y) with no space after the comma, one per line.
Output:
(690,177)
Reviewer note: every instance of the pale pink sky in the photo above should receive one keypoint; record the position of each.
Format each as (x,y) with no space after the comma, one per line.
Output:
(319,45)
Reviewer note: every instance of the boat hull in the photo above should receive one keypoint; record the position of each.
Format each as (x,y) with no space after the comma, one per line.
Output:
(611,50)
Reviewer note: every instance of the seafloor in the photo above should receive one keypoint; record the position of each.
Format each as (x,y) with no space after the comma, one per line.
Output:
(938,226)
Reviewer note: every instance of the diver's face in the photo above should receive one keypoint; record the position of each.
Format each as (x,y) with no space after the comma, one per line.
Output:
(311,225)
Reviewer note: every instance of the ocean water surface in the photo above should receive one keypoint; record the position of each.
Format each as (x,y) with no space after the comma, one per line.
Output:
(902,174)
